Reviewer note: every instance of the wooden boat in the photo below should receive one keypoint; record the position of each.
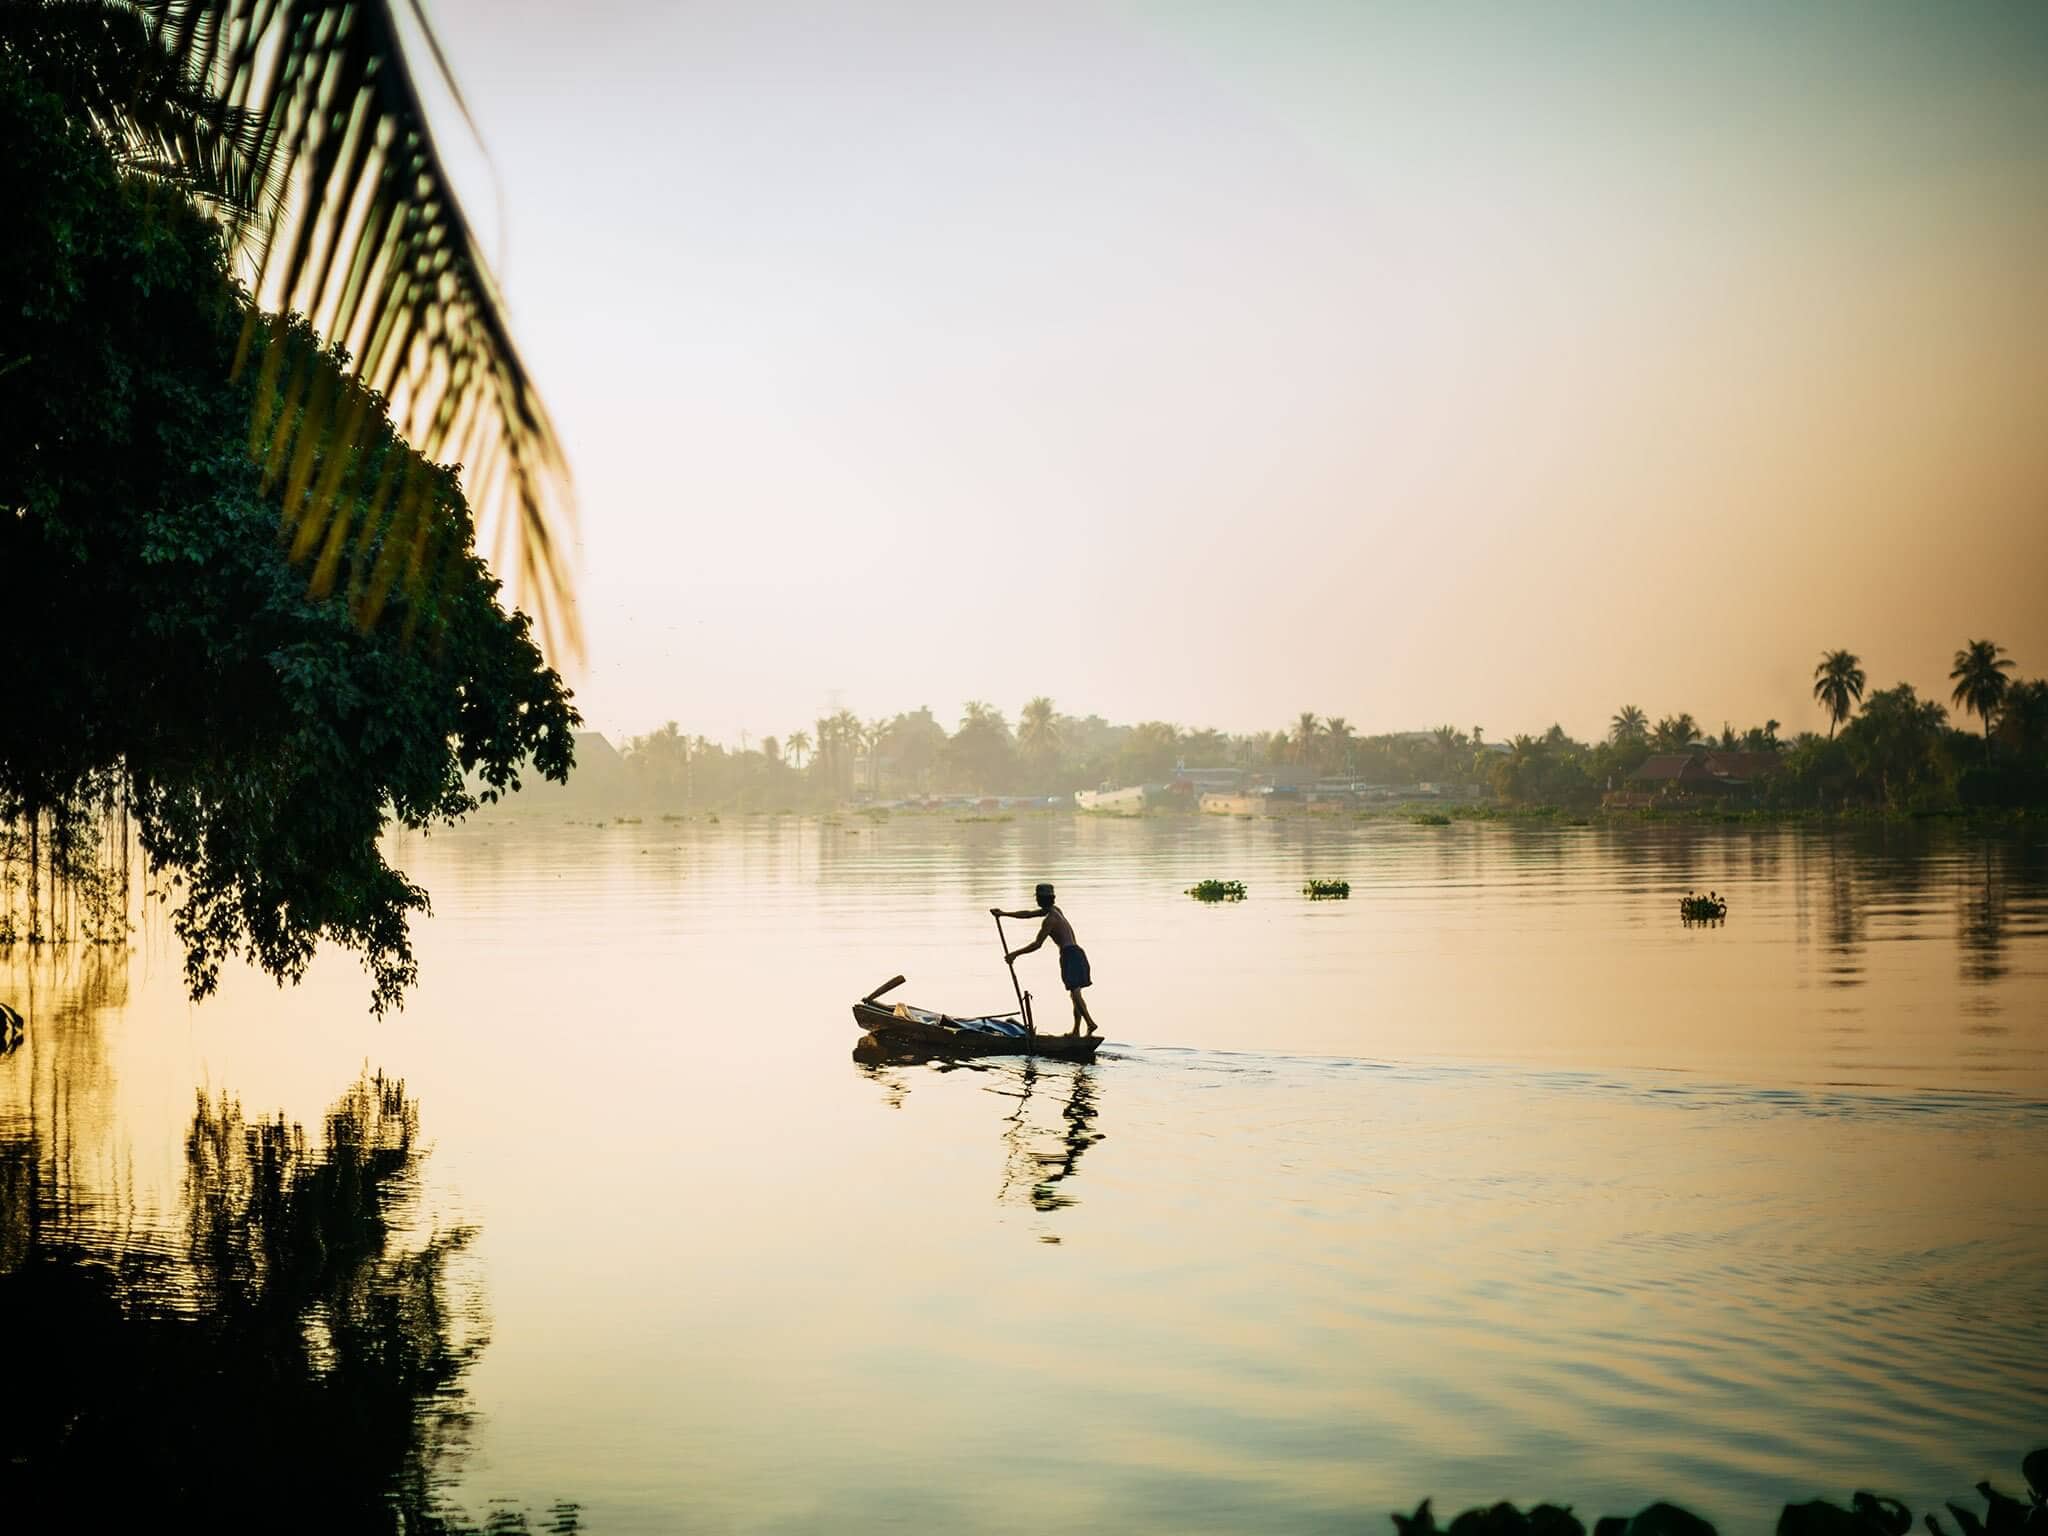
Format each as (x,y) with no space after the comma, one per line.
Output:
(903,1028)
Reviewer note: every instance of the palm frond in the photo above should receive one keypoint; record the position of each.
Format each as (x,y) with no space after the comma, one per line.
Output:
(371,244)
(303,121)
(107,63)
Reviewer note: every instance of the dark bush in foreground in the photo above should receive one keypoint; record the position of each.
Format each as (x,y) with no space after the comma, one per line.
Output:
(1867,1514)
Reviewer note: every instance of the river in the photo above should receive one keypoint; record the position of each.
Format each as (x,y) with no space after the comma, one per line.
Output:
(1494,1180)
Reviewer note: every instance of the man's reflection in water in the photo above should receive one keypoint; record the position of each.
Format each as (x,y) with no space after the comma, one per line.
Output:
(1050,1124)
(1042,1158)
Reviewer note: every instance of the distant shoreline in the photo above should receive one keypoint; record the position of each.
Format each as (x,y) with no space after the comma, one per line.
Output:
(1422,812)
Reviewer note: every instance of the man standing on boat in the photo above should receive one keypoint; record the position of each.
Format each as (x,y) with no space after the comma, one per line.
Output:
(1073,959)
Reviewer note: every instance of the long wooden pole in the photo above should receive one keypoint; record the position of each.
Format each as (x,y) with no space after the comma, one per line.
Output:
(1023,1008)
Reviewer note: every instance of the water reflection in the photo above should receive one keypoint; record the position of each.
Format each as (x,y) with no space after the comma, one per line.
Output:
(1980,924)
(1847,930)
(1049,1126)
(292,1356)
(1040,1159)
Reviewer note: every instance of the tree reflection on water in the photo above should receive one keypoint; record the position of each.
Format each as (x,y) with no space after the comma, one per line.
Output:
(291,1359)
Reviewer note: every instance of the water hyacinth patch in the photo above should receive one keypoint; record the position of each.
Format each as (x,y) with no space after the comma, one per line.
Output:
(1327,890)
(1217,890)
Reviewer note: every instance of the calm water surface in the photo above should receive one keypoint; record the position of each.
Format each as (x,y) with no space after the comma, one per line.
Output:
(1493,1181)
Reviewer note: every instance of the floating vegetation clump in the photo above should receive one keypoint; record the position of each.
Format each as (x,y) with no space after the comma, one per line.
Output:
(1710,908)
(625,821)
(673,816)
(1327,890)
(964,820)
(1217,890)
(1431,819)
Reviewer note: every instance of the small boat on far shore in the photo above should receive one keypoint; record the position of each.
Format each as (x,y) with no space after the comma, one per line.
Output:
(904,1029)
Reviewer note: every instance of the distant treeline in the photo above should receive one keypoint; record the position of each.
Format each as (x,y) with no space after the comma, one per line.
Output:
(1887,749)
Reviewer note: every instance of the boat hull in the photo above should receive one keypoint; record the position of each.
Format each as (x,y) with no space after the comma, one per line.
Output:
(891,1032)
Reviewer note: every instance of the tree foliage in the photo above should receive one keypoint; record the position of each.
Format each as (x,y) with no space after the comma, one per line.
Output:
(1838,685)
(1980,677)
(161,630)
(302,123)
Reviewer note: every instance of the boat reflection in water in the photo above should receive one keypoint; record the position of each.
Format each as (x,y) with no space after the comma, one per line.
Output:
(1050,1124)
(286,1358)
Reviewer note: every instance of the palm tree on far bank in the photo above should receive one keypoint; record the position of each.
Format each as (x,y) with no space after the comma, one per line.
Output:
(1629,724)
(1981,683)
(872,737)
(847,736)
(1038,737)
(1338,733)
(1838,685)
(798,746)
(1038,731)
(1674,733)
(1308,732)
(2023,718)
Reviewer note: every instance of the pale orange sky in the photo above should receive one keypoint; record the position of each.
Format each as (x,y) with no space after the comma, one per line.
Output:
(1485,364)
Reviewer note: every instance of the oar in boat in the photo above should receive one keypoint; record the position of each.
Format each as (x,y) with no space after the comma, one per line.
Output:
(1023,1000)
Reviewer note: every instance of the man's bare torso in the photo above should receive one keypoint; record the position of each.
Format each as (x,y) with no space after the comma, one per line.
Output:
(1057,928)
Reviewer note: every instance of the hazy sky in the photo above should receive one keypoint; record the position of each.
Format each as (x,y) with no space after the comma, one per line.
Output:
(1490,364)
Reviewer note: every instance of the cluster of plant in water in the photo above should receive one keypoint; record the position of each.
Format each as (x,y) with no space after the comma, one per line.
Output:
(1327,890)
(1867,1514)
(1710,908)
(1431,819)
(1217,890)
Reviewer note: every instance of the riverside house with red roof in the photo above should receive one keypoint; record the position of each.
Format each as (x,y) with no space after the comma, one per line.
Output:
(1666,778)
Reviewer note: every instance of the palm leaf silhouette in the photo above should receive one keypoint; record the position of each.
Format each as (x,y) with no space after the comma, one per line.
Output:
(302,121)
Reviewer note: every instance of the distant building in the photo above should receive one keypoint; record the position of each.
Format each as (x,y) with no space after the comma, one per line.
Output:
(1674,770)
(1207,780)
(1682,775)
(1742,768)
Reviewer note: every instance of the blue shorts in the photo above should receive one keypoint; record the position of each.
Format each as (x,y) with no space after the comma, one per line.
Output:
(1074,968)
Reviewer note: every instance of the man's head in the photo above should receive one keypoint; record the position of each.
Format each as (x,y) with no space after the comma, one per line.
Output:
(1044,895)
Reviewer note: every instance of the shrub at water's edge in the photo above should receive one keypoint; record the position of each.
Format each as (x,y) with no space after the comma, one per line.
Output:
(1866,1514)
(164,642)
